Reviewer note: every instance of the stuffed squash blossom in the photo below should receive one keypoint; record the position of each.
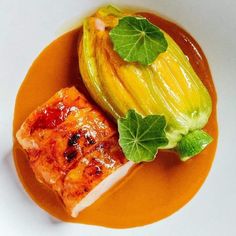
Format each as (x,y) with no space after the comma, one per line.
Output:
(168,86)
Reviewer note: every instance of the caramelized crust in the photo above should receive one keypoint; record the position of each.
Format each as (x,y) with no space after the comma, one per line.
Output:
(71,146)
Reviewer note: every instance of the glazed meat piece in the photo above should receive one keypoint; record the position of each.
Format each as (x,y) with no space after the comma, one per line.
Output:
(73,149)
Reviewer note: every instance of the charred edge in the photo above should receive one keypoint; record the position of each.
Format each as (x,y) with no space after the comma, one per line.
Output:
(70,155)
(73,139)
(90,139)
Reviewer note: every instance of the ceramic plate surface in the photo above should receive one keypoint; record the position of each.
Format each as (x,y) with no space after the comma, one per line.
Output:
(26,27)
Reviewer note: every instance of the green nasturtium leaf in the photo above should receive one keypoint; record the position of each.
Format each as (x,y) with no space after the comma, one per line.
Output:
(140,137)
(192,144)
(136,39)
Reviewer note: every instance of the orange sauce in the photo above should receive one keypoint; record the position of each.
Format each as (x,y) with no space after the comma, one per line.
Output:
(153,190)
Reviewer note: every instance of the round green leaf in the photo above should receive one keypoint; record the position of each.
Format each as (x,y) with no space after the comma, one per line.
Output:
(136,39)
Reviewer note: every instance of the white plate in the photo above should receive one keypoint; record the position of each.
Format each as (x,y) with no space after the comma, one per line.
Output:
(26,27)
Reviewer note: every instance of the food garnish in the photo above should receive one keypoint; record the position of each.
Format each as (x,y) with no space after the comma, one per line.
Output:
(167,86)
(135,39)
(140,137)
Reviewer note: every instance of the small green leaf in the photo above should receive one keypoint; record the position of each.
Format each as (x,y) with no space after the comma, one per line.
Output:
(192,144)
(141,137)
(136,39)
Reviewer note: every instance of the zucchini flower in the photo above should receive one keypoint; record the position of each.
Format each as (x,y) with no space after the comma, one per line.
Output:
(168,86)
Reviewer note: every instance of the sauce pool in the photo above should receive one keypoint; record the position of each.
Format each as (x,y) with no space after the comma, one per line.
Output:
(152,191)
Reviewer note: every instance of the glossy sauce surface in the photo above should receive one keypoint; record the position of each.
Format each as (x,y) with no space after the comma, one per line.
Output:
(152,191)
